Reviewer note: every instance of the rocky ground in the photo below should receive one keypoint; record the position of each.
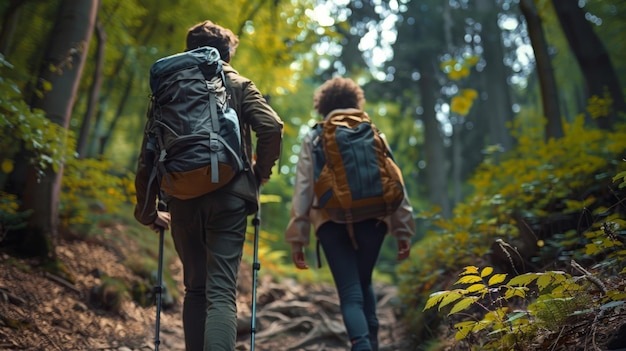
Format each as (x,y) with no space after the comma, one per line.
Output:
(40,311)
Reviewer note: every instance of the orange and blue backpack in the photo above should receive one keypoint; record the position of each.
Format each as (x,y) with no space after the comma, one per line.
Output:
(355,175)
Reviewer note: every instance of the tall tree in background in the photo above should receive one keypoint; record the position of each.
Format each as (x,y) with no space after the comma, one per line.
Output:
(9,21)
(593,59)
(94,92)
(497,105)
(61,68)
(419,45)
(545,72)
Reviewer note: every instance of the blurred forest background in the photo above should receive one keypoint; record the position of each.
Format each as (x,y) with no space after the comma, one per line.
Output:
(507,118)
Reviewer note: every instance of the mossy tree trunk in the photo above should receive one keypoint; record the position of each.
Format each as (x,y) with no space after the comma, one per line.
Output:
(62,67)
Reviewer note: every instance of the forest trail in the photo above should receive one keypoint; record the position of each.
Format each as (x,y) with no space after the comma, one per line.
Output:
(39,311)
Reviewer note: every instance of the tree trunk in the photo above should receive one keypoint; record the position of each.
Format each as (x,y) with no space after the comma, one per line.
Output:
(420,40)
(495,73)
(9,22)
(67,51)
(94,93)
(103,136)
(436,160)
(95,143)
(545,72)
(592,57)
(456,163)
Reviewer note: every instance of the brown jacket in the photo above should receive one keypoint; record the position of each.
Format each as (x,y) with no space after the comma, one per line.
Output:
(255,114)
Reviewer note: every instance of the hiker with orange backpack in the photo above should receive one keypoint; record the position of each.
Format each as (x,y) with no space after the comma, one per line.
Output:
(197,156)
(349,189)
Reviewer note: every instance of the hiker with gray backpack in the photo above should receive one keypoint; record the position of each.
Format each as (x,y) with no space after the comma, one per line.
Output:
(197,157)
(349,189)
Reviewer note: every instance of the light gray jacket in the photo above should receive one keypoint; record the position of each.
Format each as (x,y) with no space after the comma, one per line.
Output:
(304,214)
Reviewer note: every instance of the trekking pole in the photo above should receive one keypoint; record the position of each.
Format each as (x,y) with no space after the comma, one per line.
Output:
(158,290)
(256,266)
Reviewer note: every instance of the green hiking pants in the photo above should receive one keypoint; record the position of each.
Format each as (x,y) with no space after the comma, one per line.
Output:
(209,232)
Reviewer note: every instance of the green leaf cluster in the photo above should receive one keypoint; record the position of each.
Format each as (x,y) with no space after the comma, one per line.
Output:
(47,143)
(92,188)
(534,183)
(559,297)
(10,216)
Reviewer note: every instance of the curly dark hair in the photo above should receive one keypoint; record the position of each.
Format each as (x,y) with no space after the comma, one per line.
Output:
(208,33)
(338,93)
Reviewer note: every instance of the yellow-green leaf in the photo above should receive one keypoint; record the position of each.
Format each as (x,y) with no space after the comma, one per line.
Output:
(496,279)
(465,324)
(523,279)
(464,328)
(543,281)
(486,271)
(470,270)
(481,325)
(476,287)
(616,295)
(434,299)
(463,304)
(450,297)
(600,210)
(620,175)
(462,333)
(468,279)
(515,291)
(496,315)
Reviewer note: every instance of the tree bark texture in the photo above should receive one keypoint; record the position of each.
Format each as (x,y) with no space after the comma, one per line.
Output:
(498,101)
(436,160)
(9,22)
(67,51)
(94,93)
(545,71)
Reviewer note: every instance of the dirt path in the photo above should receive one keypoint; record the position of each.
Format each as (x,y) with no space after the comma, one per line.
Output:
(39,311)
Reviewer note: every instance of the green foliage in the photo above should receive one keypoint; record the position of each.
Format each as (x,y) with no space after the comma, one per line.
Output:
(47,142)
(604,239)
(621,178)
(535,182)
(560,297)
(92,188)
(10,217)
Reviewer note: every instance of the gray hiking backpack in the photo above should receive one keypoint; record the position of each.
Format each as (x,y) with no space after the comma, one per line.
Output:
(194,135)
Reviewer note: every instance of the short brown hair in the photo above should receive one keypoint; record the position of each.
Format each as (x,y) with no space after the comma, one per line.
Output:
(208,33)
(338,93)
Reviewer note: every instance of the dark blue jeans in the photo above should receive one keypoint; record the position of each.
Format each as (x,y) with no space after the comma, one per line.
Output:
(209,233)
(352,271)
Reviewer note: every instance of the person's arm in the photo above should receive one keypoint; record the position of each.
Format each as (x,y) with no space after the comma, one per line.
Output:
(299,228)
(145,193)
(268,128)
(402,227)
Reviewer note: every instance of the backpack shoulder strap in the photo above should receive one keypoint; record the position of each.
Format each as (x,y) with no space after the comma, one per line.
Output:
(227,85)
(383,138)
(317,131)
